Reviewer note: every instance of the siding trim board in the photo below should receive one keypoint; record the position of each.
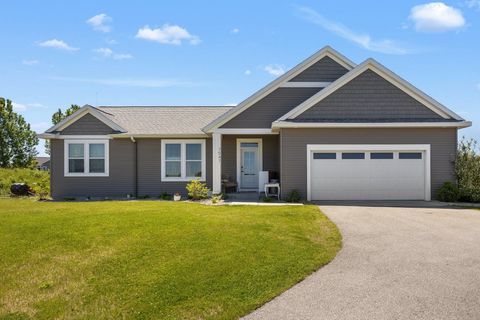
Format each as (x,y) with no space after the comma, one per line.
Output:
(388,75)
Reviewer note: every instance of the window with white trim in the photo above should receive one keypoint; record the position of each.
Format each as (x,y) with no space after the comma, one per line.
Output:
(86,158)
(183,160)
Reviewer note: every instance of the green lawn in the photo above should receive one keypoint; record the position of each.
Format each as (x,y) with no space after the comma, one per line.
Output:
(152,259)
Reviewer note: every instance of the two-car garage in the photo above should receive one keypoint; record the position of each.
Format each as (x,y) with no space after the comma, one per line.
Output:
(368,172)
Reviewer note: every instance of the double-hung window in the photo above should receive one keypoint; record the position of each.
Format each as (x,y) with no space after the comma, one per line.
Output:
(86,158)
(183,160)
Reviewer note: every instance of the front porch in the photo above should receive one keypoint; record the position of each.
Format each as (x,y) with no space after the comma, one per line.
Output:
(244,162)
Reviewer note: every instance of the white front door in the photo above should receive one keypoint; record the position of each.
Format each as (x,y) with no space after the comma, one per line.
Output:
(249,165)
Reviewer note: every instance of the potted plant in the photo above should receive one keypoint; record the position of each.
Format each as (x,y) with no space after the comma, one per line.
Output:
(177,196)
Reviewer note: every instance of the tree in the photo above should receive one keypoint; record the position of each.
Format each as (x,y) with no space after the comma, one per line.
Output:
(17,140)
(59,116)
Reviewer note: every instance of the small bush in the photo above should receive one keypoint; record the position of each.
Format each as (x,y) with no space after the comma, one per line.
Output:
(197,190)
(216,198)
(39,181)
(145,196)
(166,196)
(294,196)
(448,192)
(266,199)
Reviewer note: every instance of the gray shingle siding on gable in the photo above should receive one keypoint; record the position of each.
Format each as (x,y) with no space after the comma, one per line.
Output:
(87,125)
(324,70)
(368,97)
(270,108)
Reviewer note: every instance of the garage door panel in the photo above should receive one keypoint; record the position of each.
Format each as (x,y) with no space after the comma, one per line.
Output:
(368,179)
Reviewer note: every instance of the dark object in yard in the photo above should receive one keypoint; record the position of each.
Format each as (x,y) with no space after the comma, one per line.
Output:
(20,189)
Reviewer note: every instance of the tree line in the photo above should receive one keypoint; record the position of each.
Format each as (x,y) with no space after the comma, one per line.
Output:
(18,140)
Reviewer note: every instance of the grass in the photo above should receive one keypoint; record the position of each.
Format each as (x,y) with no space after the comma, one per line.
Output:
(152,259)
(38,180)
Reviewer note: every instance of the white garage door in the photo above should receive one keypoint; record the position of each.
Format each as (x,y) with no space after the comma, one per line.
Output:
(366,174)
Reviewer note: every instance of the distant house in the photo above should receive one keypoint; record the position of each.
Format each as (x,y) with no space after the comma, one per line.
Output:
(43,163)
(328,128)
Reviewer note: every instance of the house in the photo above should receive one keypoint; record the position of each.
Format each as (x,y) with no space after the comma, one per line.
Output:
(329,128)
(42,163)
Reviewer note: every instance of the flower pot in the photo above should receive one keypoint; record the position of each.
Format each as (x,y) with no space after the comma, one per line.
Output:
(177,197)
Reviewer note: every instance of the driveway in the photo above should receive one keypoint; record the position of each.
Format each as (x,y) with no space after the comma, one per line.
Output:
(407,262)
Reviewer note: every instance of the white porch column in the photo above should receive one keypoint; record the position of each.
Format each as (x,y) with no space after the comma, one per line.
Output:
(217,162)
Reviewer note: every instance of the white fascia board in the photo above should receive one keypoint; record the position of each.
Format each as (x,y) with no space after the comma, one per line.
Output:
(165,136)
(260,94)
(244,131)
(285,124)
(371,64)
(80,113)
(298,84)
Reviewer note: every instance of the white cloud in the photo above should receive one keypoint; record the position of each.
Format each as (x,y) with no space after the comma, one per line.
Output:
(167,34)
(40,126)
(57,44)
(122,56)
(22,106)
(235,30)
(30,62)
(100,22)
(230,105)
(111,41)
(436,17)
(248,72)
(364,40)
(18,106)
(108,53)
(275,70)
(129,82)
(473,4)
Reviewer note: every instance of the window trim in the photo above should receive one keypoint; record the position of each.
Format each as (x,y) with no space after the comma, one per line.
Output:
(183,159)
(86,158)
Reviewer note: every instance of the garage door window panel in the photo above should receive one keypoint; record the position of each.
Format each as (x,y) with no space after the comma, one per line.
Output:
(410,155)
(381,155)
(324,156)
(353,155)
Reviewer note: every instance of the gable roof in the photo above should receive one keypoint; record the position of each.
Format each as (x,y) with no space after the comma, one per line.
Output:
(86,109)
(152,121)
(163,120)
(371,64)
(292,73)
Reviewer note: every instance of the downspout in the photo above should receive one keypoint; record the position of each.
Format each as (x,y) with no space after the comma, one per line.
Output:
(136,166)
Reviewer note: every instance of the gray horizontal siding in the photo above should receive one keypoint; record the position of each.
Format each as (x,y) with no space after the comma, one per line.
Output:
(121,180)
(368,97)
(294,142)
(150,171)
(270,152)
(324,70)
(270,108)
(87,125)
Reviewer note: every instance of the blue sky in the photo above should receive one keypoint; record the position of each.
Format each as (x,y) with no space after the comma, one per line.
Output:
(55,53)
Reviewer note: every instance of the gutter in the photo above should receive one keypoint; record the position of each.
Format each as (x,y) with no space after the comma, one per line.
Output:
(286,124)
(135,166)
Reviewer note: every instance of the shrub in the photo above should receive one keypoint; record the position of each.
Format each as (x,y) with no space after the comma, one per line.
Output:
(216,198)
(294,196)
(39,181)
(266,199)
(448,192)
(467,170)
(166,196)
(197,190)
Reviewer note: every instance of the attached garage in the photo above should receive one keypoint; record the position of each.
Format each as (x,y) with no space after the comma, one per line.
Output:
(368,172)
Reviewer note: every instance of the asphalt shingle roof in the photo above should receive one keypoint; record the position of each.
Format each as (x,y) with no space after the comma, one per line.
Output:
(163,120)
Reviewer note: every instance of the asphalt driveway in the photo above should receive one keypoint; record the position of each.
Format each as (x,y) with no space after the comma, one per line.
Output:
(410,262)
